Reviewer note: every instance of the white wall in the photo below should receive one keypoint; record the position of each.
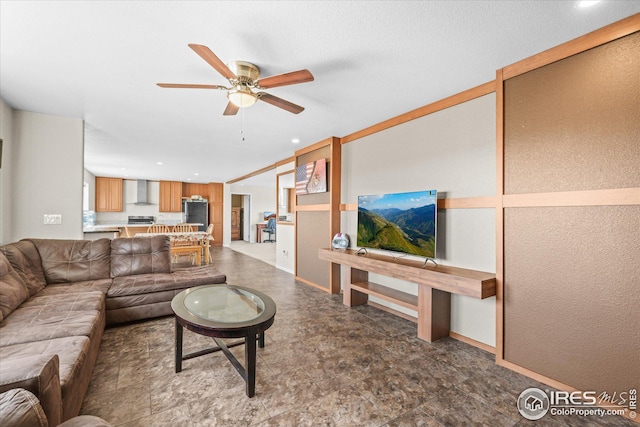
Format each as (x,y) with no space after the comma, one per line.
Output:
(6,134)
(452,151)
(285,236)
(90,179)
(47,175)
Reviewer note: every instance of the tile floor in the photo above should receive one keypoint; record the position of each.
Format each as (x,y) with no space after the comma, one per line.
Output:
(323,365)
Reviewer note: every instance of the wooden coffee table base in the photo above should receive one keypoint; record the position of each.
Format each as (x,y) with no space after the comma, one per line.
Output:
(247,372)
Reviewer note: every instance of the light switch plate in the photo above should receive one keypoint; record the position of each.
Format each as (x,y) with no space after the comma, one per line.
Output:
(52,219)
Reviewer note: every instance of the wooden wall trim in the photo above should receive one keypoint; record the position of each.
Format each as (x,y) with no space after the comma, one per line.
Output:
(595,38)
(310,283)
(442,104)
(451,203)
(254,173)
(313,208)
(263,170)
(612,197)
(499,351)
(285,161)
(472,342)
(315,146)
(468,202)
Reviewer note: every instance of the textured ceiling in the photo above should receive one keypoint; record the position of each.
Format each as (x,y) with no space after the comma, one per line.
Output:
(372,60)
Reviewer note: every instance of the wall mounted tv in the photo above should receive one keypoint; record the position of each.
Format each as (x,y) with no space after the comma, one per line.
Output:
(399,222)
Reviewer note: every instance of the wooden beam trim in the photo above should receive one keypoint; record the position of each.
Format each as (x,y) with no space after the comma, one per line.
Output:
(612,197)
(452,203)
(588,41)
(468,202)
(442,104)
(285,161)
(315,146)
(254,173)
(313,208)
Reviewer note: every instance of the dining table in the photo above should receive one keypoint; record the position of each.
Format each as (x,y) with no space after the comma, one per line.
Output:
(181,239)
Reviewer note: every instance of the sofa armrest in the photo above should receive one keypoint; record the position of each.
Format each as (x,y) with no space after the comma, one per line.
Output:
(39,375)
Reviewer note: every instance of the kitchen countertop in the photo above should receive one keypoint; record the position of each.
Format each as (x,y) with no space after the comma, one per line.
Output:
(109,228)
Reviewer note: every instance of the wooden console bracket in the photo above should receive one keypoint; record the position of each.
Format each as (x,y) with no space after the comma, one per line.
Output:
(435,286)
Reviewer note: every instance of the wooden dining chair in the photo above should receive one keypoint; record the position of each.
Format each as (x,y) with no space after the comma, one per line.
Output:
(207,245)
(127,232)
(158,228)
(182,227)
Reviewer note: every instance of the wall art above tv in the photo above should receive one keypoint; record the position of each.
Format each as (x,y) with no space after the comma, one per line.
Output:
(312,177)
(399,222)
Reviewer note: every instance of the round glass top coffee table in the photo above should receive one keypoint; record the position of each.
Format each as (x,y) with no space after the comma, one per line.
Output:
(225,311)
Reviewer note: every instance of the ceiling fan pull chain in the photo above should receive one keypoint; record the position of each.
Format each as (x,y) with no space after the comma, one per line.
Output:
(242,123)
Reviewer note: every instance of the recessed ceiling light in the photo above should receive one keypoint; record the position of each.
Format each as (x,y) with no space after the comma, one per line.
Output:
(587,3)
(295,140)
(188,179)
(159,163)
(196,174)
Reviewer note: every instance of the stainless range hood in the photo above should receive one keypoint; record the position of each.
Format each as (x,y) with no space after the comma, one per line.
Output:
(141,193)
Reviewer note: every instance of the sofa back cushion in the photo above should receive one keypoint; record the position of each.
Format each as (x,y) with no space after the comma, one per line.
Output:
(66,261)
(140,255)
(25,260)
(13,291)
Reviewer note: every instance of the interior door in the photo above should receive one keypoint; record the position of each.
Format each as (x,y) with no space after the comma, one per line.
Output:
(235,223)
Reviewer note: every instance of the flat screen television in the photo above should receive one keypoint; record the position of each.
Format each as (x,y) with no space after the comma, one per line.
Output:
(399,222)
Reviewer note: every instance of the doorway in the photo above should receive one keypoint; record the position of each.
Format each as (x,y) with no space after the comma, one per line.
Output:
(240,217)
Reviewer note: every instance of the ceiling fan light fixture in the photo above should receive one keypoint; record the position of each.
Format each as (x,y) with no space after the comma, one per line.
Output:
(241,96)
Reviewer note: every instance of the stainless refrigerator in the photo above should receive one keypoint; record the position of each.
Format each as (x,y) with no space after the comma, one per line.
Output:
(196,212)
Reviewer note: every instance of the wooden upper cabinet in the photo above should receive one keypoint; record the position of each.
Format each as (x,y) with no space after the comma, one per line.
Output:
(108,194)
(170,196)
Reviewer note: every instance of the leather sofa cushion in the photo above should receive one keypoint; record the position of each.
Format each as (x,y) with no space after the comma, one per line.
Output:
(25,259)
(82,301)
(100,285)
(13,291)
(20,408)
(31,324)
(38,374)
(179,279)
(140,255)
(67,261)
(72,353)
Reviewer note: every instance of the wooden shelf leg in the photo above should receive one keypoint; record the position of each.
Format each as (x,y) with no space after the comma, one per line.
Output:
(351,297)
(434,313)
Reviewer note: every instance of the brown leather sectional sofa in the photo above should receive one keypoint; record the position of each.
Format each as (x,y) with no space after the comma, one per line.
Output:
(56,296)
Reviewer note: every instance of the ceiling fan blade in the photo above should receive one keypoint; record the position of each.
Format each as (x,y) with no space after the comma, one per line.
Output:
(189,86)
(292,78)
(280,103)
(231,110)
(206,54)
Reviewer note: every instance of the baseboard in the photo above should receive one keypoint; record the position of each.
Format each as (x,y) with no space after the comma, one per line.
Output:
(471,341)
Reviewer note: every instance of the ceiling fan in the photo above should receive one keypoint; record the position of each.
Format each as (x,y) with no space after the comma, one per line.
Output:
(244,78)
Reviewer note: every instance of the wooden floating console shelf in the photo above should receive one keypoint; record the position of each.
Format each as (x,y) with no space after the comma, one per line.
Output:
(435,286)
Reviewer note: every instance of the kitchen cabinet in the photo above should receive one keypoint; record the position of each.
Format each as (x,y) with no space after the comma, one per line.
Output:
(170,196)
(108,194)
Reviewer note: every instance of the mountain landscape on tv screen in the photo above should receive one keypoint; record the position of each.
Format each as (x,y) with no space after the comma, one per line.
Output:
(410,231)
